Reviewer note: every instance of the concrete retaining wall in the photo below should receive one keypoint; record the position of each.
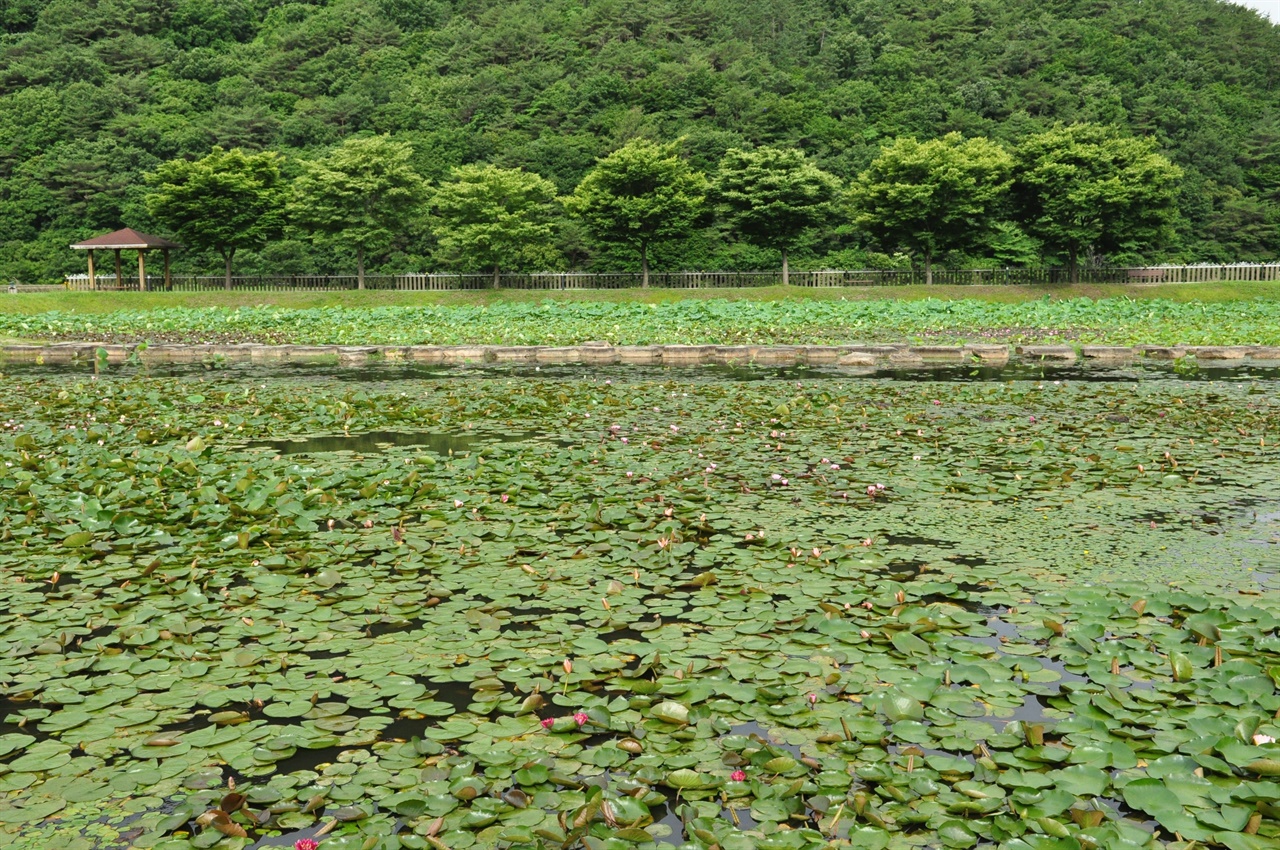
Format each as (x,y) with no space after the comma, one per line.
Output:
(860,357)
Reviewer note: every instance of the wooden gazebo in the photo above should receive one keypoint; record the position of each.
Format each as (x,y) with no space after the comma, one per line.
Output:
(131,240)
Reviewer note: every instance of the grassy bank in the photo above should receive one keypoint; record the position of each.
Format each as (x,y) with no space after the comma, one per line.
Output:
(1236,313)
(106,302)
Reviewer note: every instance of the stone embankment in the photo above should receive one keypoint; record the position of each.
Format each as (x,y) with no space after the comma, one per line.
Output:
(855,357)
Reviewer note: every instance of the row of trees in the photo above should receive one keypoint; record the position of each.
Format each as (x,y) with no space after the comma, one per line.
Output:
(94,95)
(1075,188)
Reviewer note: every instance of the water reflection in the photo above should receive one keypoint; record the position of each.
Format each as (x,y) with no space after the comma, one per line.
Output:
(378,441)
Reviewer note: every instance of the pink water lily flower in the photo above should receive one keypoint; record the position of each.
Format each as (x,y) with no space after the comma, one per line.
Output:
(546,724)
(305,844)
(738,776)
(1261,739)
(580,718)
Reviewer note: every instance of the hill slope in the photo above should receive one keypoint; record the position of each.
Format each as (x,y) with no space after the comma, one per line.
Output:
(93,94)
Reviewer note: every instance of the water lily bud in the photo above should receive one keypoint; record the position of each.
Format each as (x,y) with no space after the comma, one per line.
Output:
(568,666)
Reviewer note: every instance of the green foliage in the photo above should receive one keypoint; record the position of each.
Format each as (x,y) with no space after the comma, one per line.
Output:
(1085,186)
(640,194)
(932,196)
(393,566)
(490,217)
(1120,320)
(772,196)
(552,85)
(363,193)
(226,201)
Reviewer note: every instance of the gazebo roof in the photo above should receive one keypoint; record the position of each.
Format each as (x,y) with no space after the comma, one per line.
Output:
(125,238)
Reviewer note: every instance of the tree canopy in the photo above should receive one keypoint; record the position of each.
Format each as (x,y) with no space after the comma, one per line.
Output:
(1085,187)
(93,96)
(363,193)
(932,196)
(490,217)
(772,196)
(225,201)
(640,194)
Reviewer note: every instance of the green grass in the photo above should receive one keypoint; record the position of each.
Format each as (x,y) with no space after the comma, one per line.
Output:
(1219,314)
(106,302)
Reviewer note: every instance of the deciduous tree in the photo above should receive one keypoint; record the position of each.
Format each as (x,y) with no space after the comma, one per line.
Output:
(932,196)
(1085,186)
(772,196)
(492,217)
(363,193)
(640,194)
(226,201)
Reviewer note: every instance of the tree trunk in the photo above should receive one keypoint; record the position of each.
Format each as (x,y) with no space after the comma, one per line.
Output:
(359,267)
(496,281)
(786,272)
(1073,264)
(644,266)
(928,268)
(226,257)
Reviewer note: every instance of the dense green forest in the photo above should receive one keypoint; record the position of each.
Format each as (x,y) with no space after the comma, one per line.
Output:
(95,94)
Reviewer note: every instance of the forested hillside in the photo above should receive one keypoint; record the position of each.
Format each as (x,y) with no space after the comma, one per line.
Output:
(96,93)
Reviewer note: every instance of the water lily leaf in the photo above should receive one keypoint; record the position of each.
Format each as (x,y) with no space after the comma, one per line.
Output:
(684,778)
(78,539)
(869,838)
(1081,780)
(1150,796)
(909,644)
(898,706)
(1182,668)
(954,833)
(671,712)
(14,741)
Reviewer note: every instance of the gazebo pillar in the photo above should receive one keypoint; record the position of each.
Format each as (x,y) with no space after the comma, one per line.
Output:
(126,239)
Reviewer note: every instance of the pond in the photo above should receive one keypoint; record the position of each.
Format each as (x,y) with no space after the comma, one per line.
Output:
(613,608)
